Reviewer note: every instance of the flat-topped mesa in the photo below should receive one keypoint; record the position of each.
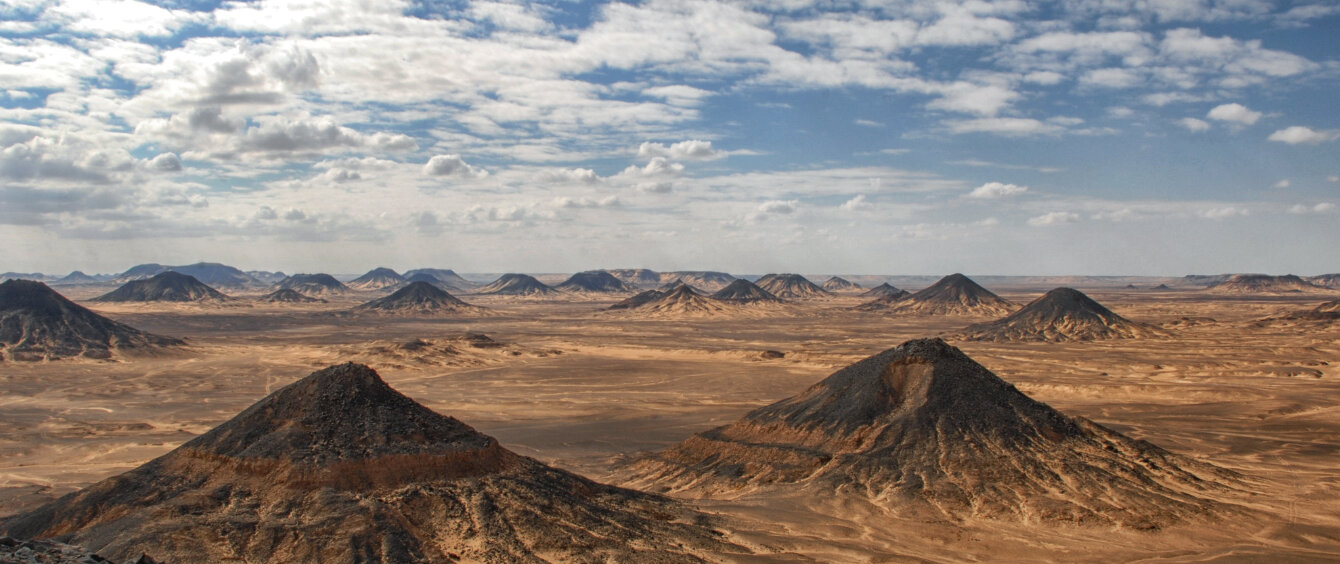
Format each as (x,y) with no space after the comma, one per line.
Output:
(955,294)
(513,284)
(420,299)
(791,286)
(923,424)
(340,467)
(744,291)
(1063,314)
(166,286)
(37,323)
(377,279)
(595,281)
(315,285)
(1266,284)
(839,284)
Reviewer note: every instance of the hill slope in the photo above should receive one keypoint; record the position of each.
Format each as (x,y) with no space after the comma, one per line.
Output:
(36,323)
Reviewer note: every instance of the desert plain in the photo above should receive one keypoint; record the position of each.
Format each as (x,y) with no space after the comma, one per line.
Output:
(586,390)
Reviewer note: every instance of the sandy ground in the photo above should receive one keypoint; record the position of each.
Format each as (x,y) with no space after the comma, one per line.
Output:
(583,390)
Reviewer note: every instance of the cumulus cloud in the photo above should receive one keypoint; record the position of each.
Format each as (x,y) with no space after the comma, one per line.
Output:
(1054,218)
(682,151)
(779,207)
(573,203)
(858,203)
(1300,135)
(452,165)
(995,190)
(1194,125)
(657,166)
(1224,212)
(576,175)
(165,162)
(656,187)
(1323,207)
(1236,113)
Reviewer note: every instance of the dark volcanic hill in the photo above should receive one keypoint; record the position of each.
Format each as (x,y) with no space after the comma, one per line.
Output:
(1265,284)
(420,298)
(430,279)
(838,284)
(140,272)
(955,294)
(597,281)
(289,296)
(166,286)
(377,279)
(788,286)
(637,300)
(517,285)
(885,290)
(1063,314)
(36,323)
(218,275)
(75,278)
(315,285)
(922,426)
(446,276)
(683,301)
(744,291)
(339,467)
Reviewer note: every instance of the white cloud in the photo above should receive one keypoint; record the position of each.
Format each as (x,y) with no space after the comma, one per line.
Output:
(1333,178)
(1300,135)
(1005,126)
(1223,212)
(452,165)
(858,203)
(779,207)
(1054,218)
(867,123)
(120,18)
(1281,184)
(572,203)
(1112,78)
(693,149)
(165,162)
(577,175)
(657,166)
(656,187)
(1236,113)
(1120,112)
(1194,125)
(995,190)
(1324,207)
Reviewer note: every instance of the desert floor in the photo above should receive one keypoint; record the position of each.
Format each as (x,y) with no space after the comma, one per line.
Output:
(584,390)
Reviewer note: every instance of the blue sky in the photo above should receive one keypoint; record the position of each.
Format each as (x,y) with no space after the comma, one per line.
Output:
(1014,137)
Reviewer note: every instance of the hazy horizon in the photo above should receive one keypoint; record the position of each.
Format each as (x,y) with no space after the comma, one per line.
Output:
(1007,137)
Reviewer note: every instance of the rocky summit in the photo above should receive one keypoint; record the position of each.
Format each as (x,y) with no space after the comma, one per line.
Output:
(339,467)
(37,323)
(1063,314)
(517,285)
(923,426)
(955,294)
(789,286)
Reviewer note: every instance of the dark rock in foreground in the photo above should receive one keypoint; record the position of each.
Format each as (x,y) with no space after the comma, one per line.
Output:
(36,323)
(339,467)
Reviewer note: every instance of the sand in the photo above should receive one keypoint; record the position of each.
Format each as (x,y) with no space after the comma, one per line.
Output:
(584,391)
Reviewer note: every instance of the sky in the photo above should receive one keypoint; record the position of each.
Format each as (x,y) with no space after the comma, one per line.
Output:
(1013,137)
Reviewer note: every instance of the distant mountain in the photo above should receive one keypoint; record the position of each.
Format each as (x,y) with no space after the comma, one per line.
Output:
(377,279)
(638,300)
(639,277)
(923,427)
(429,279)
(340,467)
(447,276)
(682,301)
(420,299)
(315,285)
(516,285)
(838,284)
(1328,280)
(744,291)
(1063,314)
(169,286)
(75,278)
(1265,284)
(33,276)
(595,281)
(267,277)
(706,280)
(210,273)
(955,294)
(885,290)
(36,323)
(791,286)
